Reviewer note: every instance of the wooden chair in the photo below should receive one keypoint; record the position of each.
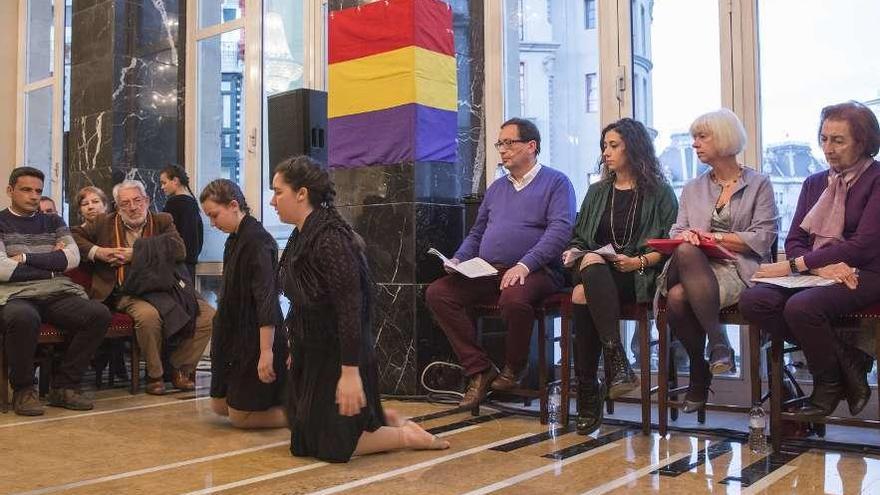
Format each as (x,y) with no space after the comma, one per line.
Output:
(869,317)
(628,312)
(667,399)
(554,306)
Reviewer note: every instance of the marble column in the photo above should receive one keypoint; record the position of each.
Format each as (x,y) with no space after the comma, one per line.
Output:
(126,96)
(403,209)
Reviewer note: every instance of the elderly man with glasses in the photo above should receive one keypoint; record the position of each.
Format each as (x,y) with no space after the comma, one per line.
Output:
(523,225)
(109,244)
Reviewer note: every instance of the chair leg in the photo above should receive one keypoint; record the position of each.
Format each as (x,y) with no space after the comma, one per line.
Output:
(775,366)
(135,366)
(45,370)
(542,371)
(609,404)
(645,365)
(663,375)
(755,362)
(672,380)
(4,377)
(565,367)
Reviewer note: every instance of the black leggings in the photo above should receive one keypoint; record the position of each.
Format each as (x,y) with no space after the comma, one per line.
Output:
(597,323)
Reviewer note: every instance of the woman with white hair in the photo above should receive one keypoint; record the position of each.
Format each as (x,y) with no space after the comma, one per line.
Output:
(733,206)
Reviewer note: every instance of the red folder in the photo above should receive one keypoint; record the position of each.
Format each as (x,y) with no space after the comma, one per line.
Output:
(709,246)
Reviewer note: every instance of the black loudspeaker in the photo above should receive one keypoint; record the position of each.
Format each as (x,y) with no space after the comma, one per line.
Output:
(297,121)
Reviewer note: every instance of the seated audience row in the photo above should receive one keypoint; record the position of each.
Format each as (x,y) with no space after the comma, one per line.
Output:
(520,229)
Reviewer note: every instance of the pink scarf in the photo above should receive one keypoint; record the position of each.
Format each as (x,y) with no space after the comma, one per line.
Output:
(825,219)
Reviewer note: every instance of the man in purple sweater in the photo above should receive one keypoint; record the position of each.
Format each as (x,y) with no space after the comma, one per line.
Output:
(524,223)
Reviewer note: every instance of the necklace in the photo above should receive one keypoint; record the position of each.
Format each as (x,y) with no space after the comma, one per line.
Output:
(724,185)
(629,220)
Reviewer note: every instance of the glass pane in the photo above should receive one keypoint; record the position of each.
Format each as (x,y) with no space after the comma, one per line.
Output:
(551,69)
(213,12)
(282,71)
(40,39)
(789,110)
(68,37)
(664,58)
(663,63)
(220,127)
(38,133)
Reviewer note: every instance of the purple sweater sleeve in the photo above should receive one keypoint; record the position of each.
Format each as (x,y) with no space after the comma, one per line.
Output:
(861,248)
(560,217)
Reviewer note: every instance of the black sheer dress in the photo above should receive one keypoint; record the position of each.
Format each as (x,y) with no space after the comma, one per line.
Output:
(324,274)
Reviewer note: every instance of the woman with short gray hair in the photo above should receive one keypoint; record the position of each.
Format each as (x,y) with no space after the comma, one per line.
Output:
(734,207)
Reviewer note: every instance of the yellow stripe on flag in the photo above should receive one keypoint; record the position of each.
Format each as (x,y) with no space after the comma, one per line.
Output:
(390,79)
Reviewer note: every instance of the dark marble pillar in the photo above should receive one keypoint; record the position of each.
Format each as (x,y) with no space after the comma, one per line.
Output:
(126,95)
(404,209)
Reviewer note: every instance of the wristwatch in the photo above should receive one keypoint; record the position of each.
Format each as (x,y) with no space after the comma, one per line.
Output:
(718,236)
(793,266)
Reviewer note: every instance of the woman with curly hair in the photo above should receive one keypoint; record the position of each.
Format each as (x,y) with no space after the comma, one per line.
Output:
(632,202)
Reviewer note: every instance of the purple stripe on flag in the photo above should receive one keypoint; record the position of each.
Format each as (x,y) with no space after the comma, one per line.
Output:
(394,135)
(436,132)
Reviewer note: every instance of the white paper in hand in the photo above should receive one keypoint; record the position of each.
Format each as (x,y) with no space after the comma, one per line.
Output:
(607,251)
(797,281)
(472,268)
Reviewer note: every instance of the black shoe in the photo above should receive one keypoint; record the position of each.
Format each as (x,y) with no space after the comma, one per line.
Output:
(828,391)
(696,397)
(589,406)
(855,366)
(623,378)
(721,360)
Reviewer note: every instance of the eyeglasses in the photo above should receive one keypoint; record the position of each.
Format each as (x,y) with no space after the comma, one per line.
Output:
(134,203)
(507,143)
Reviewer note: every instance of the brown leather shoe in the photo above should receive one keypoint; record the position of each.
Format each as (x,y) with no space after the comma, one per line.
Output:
(182,381)
(26,403)
(69,398)
(478,387)
(509,379)
(155,386)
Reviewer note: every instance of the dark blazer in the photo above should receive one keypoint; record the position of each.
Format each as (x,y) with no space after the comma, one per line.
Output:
(102,233)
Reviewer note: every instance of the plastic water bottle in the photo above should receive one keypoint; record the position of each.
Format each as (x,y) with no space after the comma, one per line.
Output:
(757,424)
(554,404)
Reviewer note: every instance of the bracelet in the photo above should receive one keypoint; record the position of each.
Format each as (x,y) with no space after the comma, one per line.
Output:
(642,263)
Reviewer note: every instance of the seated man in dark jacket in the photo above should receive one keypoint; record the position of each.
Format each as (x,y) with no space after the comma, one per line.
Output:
(35,250)
(108,243)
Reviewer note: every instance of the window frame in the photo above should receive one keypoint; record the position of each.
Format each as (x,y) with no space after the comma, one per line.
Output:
(54,81)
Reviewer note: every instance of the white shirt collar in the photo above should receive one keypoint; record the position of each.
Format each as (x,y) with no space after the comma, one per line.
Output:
(527,179)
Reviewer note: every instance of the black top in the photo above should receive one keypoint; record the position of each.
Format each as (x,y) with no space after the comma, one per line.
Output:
(248,296)
(623,203)
(185,211)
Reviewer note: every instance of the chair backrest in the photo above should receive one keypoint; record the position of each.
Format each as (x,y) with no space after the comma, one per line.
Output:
(81,276)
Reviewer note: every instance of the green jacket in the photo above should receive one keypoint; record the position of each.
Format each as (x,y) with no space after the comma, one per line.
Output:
(658,213)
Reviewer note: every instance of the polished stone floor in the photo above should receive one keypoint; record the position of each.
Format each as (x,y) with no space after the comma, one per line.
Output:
(175,445)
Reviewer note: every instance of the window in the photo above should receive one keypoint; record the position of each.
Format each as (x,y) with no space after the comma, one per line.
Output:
(670,89)
(592,87)
(283,61)
(589,14)
(522,89)
(790,112)
(544,73)
(42,84)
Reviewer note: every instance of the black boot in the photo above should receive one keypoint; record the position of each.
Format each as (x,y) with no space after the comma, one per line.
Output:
(623,378)
(855,366)
(589,406)
(828,391)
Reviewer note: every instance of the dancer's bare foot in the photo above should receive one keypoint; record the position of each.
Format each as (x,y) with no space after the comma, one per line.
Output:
(394,418)
(416,438)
